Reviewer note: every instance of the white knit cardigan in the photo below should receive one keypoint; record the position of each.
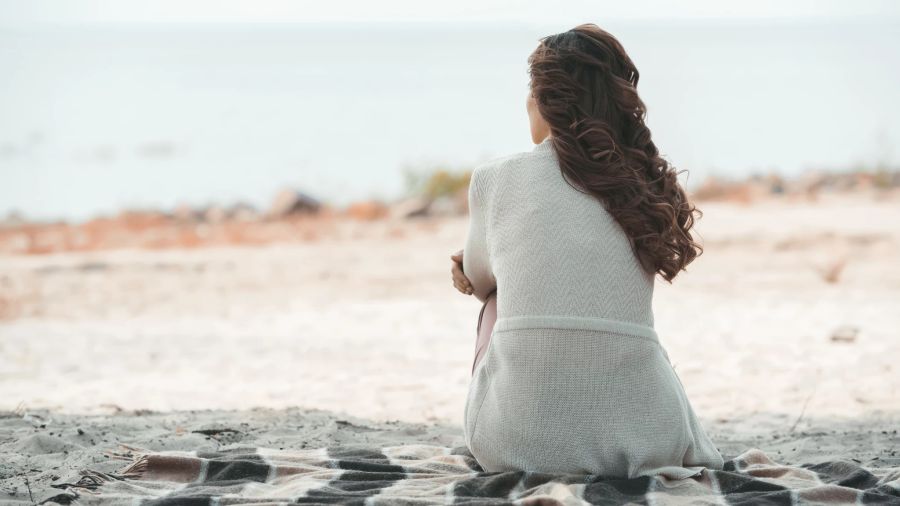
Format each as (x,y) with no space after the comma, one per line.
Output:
(574,379)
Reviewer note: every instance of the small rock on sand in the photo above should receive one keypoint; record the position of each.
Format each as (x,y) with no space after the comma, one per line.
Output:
(845,334)
(290,201)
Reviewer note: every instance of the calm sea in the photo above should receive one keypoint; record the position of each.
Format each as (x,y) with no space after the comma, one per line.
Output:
(94,119)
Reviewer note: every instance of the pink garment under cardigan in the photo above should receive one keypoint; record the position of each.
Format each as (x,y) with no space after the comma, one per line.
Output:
(485,327)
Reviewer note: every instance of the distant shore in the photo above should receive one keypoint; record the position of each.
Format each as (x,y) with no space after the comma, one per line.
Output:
(295,216)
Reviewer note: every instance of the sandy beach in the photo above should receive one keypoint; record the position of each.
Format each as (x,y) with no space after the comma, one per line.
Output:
(784,333)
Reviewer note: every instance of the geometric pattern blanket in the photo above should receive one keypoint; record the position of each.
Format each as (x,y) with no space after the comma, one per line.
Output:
(416,474)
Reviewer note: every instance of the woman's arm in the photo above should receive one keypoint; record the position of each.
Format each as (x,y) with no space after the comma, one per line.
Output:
(476,261)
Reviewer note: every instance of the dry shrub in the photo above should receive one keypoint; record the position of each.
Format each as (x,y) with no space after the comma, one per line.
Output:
(367,211)
(714,189)
(434,182)
(140,221)
(740,194)
(831,272)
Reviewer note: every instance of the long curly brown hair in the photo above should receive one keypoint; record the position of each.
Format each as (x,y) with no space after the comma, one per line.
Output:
(585,87)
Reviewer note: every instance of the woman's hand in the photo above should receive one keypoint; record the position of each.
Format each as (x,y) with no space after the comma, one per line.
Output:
(460,281)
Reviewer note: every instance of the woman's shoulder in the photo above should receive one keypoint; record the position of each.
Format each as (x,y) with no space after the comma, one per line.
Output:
(497,167)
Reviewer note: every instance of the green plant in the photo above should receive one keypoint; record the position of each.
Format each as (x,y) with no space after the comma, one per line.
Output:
(434,182)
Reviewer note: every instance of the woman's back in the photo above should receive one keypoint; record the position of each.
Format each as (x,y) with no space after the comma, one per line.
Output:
(555,250)
(574,378)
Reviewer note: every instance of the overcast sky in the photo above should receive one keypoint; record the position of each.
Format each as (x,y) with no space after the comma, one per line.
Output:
(28,12)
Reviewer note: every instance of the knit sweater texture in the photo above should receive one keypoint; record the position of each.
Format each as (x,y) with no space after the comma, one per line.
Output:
(574,379)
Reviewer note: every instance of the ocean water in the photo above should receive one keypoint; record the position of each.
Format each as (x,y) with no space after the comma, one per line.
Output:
(98,118)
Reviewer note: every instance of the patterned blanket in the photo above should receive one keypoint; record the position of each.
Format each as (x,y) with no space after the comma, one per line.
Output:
(424,474)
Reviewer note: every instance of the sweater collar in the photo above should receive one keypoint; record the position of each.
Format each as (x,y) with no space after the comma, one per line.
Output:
(542,146)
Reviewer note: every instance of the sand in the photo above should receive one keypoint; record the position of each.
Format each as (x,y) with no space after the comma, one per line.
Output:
(789,319)
(44,448)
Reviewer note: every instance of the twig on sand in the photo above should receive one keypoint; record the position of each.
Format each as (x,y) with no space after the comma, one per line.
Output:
(28,486)
(803,410)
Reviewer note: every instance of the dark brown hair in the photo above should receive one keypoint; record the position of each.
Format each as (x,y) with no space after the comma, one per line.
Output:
(585,87)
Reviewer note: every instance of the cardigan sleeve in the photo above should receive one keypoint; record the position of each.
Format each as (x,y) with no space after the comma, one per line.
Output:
(476,259)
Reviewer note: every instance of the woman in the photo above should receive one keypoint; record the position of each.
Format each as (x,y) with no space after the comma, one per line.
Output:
(567,239)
